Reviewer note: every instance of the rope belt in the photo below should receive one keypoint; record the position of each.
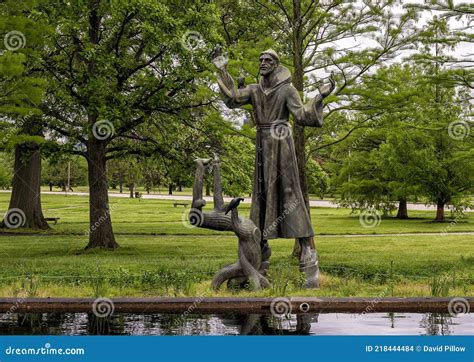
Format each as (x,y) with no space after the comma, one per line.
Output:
(273,124)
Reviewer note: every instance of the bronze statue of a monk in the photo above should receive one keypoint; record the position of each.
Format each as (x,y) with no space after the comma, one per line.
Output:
(278,207)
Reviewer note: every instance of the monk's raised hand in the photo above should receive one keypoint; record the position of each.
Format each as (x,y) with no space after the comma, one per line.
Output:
(218,59)
(326,90)
(220,62)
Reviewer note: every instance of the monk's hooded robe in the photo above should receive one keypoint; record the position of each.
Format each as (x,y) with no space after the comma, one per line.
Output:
(278,207)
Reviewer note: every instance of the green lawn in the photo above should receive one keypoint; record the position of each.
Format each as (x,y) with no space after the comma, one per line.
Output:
(160,256)
(159,217)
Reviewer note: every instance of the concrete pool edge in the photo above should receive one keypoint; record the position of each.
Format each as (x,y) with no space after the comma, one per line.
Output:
(297,305)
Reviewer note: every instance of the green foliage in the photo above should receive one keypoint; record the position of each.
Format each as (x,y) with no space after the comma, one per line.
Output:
(23,35)
(23,139)
(407,151)
(440,285)
(237,165)
(318,180)
(98,282)
(6,170)
(55,170)
(138,65)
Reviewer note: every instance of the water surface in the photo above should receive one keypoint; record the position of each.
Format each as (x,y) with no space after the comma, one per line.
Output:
(237,324)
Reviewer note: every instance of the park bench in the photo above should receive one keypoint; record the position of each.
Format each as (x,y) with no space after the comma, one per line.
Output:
(54,219)
(185,204)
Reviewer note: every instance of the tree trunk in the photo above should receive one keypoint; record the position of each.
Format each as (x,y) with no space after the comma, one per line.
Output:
(298,131)
(131,188)
(440,211)
(121,181)
(180,188)
(101,234)
(170,189)
(300,140)
(208,189)
(25,203)
(402,210)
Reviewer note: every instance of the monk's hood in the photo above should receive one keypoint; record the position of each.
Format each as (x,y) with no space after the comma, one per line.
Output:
(281,75)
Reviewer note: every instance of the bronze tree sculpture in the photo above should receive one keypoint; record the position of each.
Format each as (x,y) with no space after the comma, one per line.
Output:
(249,266)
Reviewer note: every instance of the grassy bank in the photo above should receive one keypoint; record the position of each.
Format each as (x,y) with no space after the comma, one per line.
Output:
(160,256)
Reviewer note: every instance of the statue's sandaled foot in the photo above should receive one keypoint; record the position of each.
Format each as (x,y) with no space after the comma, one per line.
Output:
(312,277)
(310,266)
(264,267)
(266,250)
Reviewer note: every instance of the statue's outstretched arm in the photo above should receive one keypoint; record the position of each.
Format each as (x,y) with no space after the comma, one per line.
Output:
(232,96)
(311,113)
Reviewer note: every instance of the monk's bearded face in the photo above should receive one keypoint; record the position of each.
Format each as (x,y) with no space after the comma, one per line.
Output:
(267,64)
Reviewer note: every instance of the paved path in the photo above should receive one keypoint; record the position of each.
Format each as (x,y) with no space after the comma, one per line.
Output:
(247,200)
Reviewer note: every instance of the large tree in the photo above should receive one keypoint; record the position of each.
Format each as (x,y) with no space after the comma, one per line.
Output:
(412,151)
(380,160)
(449,109)
(21,91)
(117,70)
